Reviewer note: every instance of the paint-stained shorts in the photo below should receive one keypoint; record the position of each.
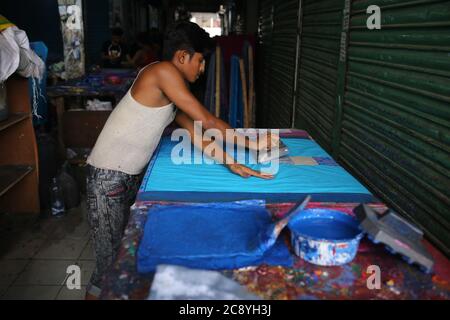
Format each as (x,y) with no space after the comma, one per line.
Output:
(109,197)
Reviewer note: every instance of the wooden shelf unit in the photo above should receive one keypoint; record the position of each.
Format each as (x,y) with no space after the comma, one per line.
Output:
(13,119)
(11,175)
(19,175)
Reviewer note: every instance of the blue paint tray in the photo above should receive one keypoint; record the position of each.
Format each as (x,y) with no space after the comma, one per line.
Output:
(325,237)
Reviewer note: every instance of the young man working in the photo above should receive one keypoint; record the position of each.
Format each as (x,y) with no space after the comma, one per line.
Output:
(134,130)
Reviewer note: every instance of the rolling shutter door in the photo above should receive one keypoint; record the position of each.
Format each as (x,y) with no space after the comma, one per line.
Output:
(395,133)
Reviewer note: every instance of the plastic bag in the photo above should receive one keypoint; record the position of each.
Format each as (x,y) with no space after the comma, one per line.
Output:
(57,199)
(9,54)
(30,65)
(97,105)
(69,188)
(16,55)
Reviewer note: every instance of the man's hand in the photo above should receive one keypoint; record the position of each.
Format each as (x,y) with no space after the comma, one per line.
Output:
(246,172)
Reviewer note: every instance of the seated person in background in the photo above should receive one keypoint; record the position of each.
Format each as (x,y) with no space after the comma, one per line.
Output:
(146,53)
(114,51)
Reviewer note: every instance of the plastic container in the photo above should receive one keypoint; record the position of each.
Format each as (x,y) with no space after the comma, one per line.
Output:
(325,237)
(57,199)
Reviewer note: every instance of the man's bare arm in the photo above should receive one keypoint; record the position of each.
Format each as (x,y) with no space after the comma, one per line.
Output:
(186,122)
(174,87)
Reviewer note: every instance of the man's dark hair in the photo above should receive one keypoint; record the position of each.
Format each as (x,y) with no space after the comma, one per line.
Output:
(186,36)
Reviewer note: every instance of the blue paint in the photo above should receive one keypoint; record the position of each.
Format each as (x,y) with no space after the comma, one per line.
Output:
(210,236)
(325,237)
(319,228)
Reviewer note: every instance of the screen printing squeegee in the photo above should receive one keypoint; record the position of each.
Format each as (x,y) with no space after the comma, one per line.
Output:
(279,152)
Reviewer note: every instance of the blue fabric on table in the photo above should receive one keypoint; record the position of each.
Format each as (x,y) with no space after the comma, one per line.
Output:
(166,181)
(214,236)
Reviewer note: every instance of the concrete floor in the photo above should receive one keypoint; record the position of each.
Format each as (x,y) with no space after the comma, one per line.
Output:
(35,254)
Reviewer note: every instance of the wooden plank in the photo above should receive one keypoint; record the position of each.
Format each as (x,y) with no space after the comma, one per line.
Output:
(23,197)
(251,89)
(11,175)
(218,64)
(244,93)
(13,119)
(17,97)
(17,144)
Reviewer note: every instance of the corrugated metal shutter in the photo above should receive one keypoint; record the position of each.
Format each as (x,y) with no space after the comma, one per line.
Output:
(395,132)
(284,45)
(279,60)
(263,58)
(317,73)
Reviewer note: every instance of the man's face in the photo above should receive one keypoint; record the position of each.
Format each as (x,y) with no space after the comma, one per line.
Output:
(194,66)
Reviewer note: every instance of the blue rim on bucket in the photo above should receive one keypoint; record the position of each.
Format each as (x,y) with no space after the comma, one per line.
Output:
(325,237)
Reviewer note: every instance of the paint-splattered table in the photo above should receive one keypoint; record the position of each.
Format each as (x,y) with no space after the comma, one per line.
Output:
(399,280)
(104,83)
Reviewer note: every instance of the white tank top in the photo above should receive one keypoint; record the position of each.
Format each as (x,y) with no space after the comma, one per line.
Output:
(130,136)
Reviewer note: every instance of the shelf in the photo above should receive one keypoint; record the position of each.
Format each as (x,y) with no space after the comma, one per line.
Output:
(11,175)
(13,119)
(19,165)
